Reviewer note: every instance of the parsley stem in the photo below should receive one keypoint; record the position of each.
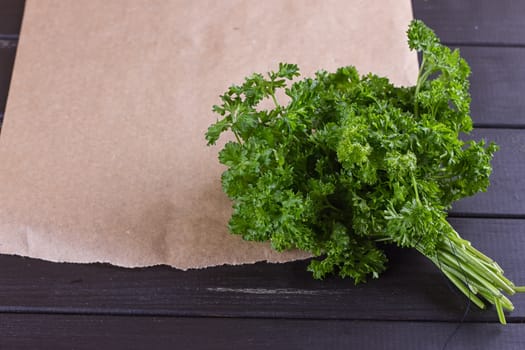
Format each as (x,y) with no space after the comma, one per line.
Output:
(472,272)
(477,275)
(488,272)
(418,85)
(499,309)
(237,138)
(331,170)
(464,290)
(274,99)
(414,184)
(421,78)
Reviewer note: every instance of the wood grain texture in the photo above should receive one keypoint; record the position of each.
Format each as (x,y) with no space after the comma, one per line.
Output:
(412,288)
(497,85)
(480,22)
(506,193)
(91,332)
(57,306)
(11,12)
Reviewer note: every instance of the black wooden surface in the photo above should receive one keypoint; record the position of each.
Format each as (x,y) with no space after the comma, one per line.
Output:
(118,332)
(50,305)
(498,82)
(7,59)
(11,17)
(11,12)
(412,289)
(474,22)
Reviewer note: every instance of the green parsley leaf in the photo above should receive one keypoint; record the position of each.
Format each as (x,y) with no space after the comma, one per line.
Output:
(350,161)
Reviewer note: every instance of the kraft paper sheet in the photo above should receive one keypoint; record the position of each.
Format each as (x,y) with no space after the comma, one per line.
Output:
(102,153)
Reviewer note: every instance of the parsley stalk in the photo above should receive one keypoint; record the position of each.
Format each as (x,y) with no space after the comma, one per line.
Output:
(350,161)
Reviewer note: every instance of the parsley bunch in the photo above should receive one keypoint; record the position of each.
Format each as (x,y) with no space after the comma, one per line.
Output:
(349,161)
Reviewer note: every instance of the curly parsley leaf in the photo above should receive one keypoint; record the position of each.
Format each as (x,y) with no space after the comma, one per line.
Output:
(350,161)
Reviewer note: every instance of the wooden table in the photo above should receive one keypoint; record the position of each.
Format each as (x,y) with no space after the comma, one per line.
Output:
(52,306)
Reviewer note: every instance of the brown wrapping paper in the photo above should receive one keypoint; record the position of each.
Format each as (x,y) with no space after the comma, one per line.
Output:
(102,154)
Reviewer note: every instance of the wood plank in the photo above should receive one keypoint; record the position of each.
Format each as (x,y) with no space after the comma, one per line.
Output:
(92,332)
(11,12)
(7,59)
(474,21)
(412,288)
(497,85)
(506,193)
